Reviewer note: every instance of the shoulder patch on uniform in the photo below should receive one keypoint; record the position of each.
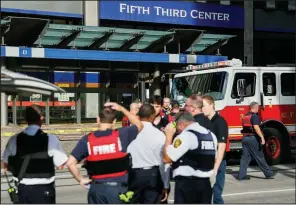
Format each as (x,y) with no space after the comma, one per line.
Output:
(177,143)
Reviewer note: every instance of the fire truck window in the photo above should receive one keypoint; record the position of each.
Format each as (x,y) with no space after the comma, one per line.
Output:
(288,84)
(250,84)
(269,84)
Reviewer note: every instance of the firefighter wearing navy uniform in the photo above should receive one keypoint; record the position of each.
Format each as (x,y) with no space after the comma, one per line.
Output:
(192,154)
(107,162)
(31,157)
(252,140)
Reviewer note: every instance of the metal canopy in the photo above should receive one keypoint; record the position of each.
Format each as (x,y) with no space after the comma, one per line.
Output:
(32,32)
(17,83)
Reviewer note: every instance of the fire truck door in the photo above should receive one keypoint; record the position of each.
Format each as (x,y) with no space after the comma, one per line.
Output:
(270,95)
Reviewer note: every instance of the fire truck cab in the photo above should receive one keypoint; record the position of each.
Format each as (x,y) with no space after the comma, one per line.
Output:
(233,88)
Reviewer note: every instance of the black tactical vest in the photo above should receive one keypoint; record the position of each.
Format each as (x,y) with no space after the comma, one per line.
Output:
(41,164)
(203,157)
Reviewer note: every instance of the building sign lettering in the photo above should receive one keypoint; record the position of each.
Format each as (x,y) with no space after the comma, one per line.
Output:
(191,13)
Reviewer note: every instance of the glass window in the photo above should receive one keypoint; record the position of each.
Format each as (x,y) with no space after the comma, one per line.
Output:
(249,80)
(269,84)
(288,84)
(63,108)
(213,84)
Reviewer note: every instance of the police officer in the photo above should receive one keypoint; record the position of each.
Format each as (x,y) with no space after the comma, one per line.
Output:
(252,138)
(193,154)
(134,109)
(219,127)
(37,183)
(148,171)
(194,104)
(107,162)
(160,120)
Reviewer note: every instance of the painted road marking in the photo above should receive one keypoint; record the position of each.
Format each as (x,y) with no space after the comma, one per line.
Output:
(259,192)
(246,193)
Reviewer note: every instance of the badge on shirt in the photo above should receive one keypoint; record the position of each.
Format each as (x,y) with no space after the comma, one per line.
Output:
(177,143)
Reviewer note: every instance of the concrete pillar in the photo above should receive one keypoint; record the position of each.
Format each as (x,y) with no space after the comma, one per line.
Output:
(47,114)
(248,32)
(143,90)
(91,13)
(170,84)
(91,18)
(4,110)
(14,110)
(78,104)
(155,87)
(47,111)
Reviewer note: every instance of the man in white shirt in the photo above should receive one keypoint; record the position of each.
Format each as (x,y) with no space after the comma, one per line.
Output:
(37,184)
(192,154)
(149,177)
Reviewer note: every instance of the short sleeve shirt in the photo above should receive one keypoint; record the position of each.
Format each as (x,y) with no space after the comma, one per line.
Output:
(255,120)
(203,121)
(126,136)
(220,129)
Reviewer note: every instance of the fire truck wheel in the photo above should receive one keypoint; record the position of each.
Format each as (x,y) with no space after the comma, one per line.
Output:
(273,146)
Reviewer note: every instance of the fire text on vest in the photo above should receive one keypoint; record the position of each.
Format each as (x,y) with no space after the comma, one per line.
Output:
(207,145)
(104,149)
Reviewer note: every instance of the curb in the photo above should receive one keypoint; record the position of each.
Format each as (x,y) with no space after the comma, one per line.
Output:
(57,131)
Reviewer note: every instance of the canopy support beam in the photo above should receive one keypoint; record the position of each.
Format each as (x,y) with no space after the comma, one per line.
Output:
(67,39)
(100,41)
(129,43)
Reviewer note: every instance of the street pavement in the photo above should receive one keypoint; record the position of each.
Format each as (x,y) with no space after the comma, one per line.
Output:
(257,190)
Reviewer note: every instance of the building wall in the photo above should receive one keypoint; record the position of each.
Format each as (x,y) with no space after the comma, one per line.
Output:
(50,8)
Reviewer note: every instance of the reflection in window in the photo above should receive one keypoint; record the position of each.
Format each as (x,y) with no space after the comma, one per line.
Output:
(62,108)
(288,84)
(249,80)
(269,85)
(213,84)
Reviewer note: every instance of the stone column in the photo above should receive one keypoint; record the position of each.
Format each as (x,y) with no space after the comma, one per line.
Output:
(248,32)
(4,110)
(91,18)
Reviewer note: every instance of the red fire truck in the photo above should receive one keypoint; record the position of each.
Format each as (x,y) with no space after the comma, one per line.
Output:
(234,87)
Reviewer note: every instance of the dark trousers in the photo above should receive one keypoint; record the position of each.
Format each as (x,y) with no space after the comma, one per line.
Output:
(252,148)
(37,194)
(105,193)
(193,190)
(219,184)
(147,185)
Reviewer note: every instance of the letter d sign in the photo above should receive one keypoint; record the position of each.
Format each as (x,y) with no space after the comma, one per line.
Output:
(25,52)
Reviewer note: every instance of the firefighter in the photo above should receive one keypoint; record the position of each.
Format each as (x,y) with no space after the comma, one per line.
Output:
(252,140)
(192,155)
(134,109)
(107,162)
(34,173)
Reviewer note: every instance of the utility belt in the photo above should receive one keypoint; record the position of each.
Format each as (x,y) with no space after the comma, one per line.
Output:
(145,168)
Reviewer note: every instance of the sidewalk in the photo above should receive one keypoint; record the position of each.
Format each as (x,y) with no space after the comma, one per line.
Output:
(56,129)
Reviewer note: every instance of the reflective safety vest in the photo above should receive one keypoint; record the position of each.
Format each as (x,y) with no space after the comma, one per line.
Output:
(36,147)
(203,157)
(247,125)
(105,158)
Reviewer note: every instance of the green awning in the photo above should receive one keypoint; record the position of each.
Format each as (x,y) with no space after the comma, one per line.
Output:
(39,33)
